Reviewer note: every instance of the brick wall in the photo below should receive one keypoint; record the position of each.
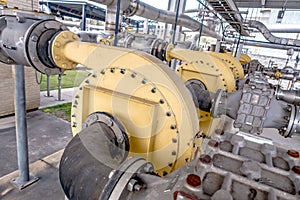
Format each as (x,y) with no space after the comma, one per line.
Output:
(7,89)
(6,74)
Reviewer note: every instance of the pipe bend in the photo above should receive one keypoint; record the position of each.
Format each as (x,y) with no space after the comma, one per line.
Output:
(270,37)
(88,160)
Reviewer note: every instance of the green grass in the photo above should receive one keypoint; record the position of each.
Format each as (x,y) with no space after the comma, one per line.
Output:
(62,111)
(71,78)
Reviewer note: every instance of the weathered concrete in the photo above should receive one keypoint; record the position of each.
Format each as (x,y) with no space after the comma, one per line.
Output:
(46,135)
(47,187)
(66,94)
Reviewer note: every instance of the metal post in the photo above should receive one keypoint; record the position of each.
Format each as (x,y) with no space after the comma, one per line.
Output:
(218,46)
(48,86)
(137,26)
(176,21)
(200,30)
(21,129)
(240,48)
(117,22)
(59,88)
(145,29)
(83,18)
(238,43)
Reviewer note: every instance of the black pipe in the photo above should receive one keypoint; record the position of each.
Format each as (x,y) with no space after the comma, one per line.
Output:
(238,43)
(117,23)
(88,160)
(83,17)
(200,94)
(176,21)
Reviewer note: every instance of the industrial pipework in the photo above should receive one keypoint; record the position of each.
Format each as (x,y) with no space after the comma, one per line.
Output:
(129,84)
(258,107)
(289,96)
(136,7)
(133,105)
(195,68)
(270,37)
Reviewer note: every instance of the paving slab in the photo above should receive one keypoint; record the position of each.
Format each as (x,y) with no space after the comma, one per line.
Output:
(46,188)
(46,135)
(66,94)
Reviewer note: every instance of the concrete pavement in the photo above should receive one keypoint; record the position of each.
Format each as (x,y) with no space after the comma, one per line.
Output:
(47,135)
(66,94)
(46,188)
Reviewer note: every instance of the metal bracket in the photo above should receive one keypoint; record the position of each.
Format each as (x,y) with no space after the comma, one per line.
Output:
(21,185)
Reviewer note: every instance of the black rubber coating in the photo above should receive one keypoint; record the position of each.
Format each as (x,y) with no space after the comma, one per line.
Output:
(43,47)
(201,96)
(87,162)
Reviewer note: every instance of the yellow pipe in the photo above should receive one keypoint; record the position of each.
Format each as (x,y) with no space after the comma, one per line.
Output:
(139,90)
(211,71)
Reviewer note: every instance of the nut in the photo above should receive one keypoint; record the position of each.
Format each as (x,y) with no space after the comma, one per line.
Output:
(193,180)
(293,153)
(205,159)
(213,143)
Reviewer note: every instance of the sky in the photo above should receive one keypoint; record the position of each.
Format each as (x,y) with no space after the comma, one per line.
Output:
(163,4)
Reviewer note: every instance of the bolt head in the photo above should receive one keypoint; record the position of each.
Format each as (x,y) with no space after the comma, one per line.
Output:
(193,180)
(219,132)
(296,169)
(64,65)
(35,59)
(293,153)
(34,38)
(46,25)
(57,44)
(205,159)
(213,143)
(148,168)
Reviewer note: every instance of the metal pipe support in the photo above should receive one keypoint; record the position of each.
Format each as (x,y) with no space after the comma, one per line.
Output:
(21,123)
(24,179)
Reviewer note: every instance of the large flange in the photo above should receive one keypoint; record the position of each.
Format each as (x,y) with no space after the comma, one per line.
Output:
(118,134)
(293,122)
(169,48)
(57,49)
(37,41)
(158,49)
(123,179)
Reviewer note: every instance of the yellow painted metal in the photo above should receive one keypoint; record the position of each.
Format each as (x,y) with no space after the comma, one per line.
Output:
(234,65)
(58,48)
(201,66)
(3,2)
(211,71)
(107,41)
(144,94)
(244,59)
(278,74)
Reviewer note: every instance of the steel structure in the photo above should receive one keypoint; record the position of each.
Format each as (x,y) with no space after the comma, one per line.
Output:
(229,11)
(73,8)
(288,4)
(136,123)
